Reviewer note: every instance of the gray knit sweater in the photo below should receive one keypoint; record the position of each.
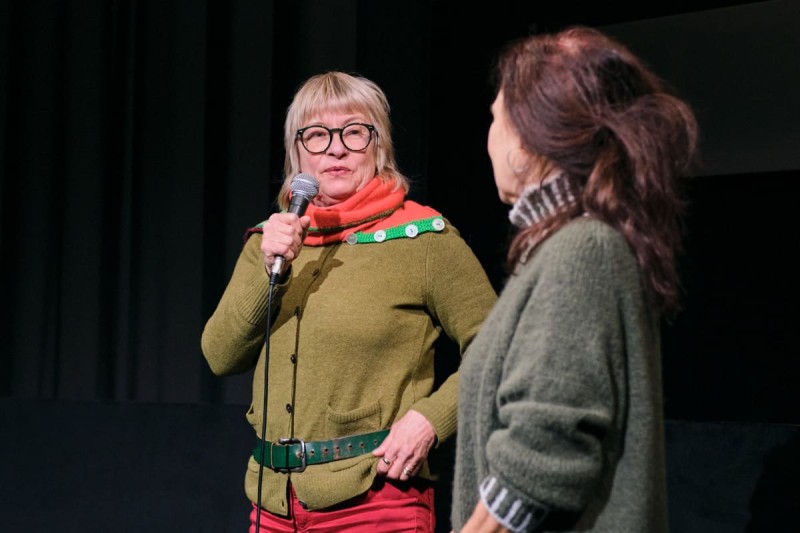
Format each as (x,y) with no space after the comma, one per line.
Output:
(560,424)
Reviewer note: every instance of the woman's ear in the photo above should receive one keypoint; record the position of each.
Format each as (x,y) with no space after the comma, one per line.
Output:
(518,160)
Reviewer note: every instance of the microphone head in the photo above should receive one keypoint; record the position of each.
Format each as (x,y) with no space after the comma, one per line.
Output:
(305,185)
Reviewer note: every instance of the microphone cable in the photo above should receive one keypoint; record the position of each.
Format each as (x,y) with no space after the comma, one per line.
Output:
(304,188)
(263,446)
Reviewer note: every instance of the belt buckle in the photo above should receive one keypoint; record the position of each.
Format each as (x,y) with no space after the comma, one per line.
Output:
(289,442)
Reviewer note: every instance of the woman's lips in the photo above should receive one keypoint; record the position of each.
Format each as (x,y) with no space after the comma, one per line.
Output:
(337,171)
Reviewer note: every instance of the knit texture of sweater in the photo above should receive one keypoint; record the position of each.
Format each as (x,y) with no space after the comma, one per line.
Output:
(351,347)
(560,424)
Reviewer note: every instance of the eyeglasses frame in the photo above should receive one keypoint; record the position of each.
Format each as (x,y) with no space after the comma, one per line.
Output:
(331,131)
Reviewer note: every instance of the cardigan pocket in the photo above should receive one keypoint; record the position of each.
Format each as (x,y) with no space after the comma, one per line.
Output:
(360,420)
(365,419)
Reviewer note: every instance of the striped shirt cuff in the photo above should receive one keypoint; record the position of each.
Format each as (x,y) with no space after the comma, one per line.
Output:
(508,510)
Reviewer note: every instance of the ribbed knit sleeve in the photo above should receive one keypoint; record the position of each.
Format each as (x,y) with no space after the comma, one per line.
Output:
(234,334)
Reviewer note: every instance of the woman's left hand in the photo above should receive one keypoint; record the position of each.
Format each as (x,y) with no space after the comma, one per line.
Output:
(406,447)
(482,521)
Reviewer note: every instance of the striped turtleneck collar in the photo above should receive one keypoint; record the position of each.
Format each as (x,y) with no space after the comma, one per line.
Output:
(541,200)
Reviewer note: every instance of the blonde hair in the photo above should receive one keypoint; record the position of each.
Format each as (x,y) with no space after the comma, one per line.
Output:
(340,92)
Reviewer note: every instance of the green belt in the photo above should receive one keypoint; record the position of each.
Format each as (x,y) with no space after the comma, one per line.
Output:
(293,455)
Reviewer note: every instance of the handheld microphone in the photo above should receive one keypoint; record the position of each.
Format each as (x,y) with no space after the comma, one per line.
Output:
(304,188)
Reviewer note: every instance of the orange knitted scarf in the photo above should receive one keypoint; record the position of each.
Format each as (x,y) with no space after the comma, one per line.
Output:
(378,206)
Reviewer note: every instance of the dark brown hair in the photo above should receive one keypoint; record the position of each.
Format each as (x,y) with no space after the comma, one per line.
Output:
(592,108)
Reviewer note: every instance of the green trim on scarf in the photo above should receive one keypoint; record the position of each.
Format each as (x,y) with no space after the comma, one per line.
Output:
(408,230)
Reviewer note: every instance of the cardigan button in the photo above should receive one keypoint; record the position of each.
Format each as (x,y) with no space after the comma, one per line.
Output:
(412,230)
(288,408)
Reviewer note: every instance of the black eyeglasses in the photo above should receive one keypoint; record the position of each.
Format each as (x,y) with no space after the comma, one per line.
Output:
(317,139)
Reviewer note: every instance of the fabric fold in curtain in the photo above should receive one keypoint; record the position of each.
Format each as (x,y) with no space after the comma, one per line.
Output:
(119,124)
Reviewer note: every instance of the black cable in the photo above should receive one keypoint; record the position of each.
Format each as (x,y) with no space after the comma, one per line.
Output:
(272,280)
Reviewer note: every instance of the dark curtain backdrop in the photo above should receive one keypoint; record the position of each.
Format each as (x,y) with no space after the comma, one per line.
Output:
(135,143)
(138,140)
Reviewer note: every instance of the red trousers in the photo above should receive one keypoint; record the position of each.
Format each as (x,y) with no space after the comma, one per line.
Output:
(388,507)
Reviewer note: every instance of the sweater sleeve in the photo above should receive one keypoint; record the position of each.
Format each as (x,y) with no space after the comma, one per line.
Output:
(563,382)
(234,334)
(459,298)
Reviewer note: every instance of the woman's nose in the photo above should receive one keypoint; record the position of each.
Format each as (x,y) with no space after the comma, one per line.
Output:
(337,147)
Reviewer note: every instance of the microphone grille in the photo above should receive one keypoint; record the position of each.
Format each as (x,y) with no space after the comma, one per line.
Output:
(305,185)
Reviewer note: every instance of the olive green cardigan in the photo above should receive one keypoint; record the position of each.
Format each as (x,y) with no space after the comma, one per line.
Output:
(351,348)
